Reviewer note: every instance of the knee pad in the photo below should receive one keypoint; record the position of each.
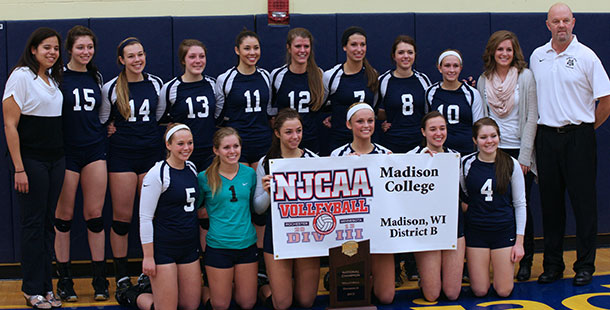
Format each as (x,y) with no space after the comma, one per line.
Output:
(95,224)
(120,228)
(259,219)
(204,223)
(63,225)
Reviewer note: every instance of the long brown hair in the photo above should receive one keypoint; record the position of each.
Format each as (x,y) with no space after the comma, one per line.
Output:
(370,72)
(122,85)
(403,38)
(314,75)
(489,59)
(27,59)
(240,38)
(212,173)
(275,151)
(503,162)
(82,31)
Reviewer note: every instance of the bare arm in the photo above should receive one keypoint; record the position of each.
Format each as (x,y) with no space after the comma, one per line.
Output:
(601,112)
(12,114)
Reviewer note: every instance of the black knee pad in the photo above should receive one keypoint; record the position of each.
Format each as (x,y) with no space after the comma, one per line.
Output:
(95,224)
(259,219)
(120,228)
(63,225)
(204,223)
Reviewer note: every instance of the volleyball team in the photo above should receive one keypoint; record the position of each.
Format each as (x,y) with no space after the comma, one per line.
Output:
(209,190)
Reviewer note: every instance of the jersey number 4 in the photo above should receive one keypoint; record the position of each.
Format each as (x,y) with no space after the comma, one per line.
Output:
(190,200)
(89,100)
(204,103)
(487,190)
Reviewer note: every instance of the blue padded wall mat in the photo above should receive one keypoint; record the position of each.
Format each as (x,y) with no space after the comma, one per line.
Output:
(217,33)
(7,248)
(435,32)
(381,30)
(155,33)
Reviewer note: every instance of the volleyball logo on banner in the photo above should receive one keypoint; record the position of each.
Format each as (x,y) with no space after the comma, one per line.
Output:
(324,223)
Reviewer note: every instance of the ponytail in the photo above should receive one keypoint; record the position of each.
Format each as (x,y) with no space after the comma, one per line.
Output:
(212,173)
(371,75)
(122,85)
(504,163)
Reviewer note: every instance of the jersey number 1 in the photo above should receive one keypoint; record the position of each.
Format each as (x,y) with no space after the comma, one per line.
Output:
(233,197)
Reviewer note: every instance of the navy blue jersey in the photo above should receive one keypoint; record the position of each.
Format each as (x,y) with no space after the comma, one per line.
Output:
(404,101)
(192,104)
(343,90)
(244,103)
(461,108)
(291,90)
(171,194)
(139,132)
(347,149)
(80,113)
(486,207)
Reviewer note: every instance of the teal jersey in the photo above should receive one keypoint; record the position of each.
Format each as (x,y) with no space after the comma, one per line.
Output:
(229,210)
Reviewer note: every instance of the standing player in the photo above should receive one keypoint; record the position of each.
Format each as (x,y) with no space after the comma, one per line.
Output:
(191,100)
(402,104)
(243,101)
(361,121)
(131,102)
(288,133)
(85,146)
(459,102)
(402,98)
(243,97)
(439,270)
(298,84)
(353,81)
(227,189)
(508,91)
(31,107)
(494,199)
(168,225)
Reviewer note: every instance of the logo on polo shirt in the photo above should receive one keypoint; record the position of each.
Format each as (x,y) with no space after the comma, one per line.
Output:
(570,62)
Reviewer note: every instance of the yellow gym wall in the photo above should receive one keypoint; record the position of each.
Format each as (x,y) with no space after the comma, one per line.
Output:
(61,9)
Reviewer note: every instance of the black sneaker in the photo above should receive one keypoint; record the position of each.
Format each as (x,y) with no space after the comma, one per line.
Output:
(65,290)
(100,289)
(144,284)
(122,286)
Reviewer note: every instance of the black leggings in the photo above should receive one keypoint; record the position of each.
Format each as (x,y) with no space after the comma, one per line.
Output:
(37,207)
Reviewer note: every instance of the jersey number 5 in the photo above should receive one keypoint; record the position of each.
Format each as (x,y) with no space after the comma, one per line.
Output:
(190,200)
(487,190)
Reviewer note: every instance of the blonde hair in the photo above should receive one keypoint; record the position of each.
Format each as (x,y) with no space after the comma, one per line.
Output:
(122,86)
(212,173)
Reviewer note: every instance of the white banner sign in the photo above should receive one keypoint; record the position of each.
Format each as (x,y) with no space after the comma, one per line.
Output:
(402,203)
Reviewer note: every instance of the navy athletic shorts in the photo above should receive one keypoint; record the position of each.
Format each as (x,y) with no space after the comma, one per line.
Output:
(79,157)
(483,237)
(168,254)
(227,258)
(122,161)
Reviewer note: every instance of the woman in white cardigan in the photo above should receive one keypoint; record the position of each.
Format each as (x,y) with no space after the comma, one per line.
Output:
(508,90)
